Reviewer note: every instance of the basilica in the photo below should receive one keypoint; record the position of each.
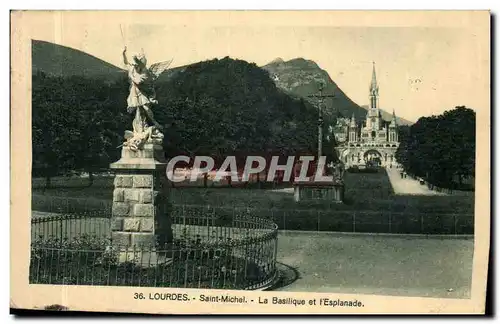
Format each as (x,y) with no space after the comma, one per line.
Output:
(371,142)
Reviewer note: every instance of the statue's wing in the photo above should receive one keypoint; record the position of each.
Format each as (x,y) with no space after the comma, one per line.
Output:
(158,68)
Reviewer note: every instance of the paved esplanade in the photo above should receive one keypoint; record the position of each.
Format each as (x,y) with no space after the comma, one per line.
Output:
(376,264)
(408,186)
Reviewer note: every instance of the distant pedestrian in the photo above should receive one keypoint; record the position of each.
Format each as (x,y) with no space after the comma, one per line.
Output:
(296,171)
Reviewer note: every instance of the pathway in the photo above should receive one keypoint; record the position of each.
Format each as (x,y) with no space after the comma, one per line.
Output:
(409,186)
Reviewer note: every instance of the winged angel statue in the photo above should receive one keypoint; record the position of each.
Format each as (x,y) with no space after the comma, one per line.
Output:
(140,100)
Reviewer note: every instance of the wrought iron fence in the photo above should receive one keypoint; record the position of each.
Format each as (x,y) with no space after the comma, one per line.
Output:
(369,221)
(69,226)
(354,221)
(210,249)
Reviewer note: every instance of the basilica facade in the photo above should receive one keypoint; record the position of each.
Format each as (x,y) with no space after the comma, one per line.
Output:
(374,141)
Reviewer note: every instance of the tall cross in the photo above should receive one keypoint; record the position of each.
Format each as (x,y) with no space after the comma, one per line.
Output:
(320,97)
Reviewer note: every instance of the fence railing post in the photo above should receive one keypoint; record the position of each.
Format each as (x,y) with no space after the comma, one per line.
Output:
(60,231)
(390,221)
(318,217)
(354,222)
(284,220)
(455,224)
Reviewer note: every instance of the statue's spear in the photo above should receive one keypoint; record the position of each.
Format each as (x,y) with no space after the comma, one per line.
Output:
(124,44)
(123,37)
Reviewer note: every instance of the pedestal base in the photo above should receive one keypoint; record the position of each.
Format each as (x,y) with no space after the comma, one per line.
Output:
(140,219)
(319,191)
(150,157)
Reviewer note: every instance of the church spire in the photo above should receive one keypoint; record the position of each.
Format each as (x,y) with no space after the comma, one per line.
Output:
(373,90)
(373,85)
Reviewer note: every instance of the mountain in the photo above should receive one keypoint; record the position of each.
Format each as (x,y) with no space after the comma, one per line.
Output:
(298,77)
(58,60)
(301,78)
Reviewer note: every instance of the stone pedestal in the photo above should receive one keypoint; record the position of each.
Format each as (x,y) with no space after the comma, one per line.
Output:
(140,217)
(309,190)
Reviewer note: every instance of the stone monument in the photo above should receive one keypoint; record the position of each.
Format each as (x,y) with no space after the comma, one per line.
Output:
(139,213)
(325,190)
(322,190)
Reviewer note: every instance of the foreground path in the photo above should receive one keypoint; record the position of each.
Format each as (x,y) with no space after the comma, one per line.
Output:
(386,265)
(408,186)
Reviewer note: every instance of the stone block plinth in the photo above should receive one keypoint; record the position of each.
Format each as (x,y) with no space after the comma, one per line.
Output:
(310,190)
(140,220)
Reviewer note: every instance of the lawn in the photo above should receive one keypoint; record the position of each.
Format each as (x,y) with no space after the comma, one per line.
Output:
(370,205)
(364,191)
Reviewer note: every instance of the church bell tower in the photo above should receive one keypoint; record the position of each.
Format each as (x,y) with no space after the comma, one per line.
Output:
(374,116)
(374,91)
(353,130)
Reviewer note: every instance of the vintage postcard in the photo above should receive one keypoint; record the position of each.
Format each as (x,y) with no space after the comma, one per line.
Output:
(250,162)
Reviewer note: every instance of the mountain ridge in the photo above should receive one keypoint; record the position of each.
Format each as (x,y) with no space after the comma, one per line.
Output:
(301,77)
(59,60)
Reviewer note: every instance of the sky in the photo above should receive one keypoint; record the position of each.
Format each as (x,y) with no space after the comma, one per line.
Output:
(424,67)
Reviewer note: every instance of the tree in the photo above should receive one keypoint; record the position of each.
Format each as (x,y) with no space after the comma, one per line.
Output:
(402,153)
(440,148)
(52,128)
(77,124)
